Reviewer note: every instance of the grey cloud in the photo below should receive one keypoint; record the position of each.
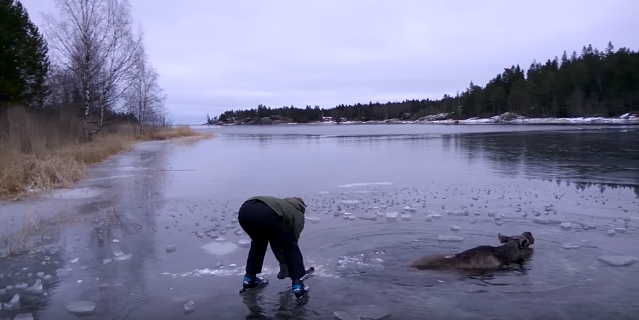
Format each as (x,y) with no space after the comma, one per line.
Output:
(219,55)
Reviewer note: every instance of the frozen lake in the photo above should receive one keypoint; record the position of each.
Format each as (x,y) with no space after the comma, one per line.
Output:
(152,229)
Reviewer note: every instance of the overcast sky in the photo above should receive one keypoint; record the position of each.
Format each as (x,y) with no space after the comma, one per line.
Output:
(216,55)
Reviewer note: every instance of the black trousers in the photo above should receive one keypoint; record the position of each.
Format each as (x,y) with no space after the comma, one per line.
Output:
(265,226)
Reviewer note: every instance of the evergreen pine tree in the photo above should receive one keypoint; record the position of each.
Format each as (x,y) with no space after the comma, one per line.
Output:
(24,64)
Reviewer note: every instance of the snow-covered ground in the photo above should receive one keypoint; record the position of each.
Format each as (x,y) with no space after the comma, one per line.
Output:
(509,118)
(506,118)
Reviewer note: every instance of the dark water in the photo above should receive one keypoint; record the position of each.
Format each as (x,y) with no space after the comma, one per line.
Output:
(187,196)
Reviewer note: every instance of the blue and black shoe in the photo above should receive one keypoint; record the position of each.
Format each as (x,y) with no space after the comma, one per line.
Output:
(251,282)
(299,288)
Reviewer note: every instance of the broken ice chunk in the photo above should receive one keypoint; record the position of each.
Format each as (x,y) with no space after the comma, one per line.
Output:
(611,232)
(368,216)
(23,316)
(21,285)
(81,308)
(244,243)
(120,256)
(458,213)
(116,240)
(314,220)
(408,209)
(37,287)
(66,272)
(74,260)
(170,248)
(189,306)
(391,216)
(15,301)
(450,238)
(618,261)
(406,216)
(566,225)
(454,228)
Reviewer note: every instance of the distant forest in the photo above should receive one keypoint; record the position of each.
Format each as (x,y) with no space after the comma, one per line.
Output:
(593,83)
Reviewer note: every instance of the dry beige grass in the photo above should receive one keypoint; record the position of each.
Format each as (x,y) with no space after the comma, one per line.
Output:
(39,153)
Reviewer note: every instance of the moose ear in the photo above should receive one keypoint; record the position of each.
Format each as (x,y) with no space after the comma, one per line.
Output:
(503,238)
(524,243)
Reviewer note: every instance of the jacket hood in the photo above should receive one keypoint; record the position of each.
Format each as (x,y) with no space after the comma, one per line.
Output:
(297,203)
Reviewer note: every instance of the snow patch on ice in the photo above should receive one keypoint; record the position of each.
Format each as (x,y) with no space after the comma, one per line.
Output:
(78,193)
(220,248)
(364,184)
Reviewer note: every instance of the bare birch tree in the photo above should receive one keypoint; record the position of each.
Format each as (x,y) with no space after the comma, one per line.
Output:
(145,97)
(95,40)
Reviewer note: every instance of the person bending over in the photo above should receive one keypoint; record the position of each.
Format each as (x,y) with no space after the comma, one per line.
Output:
(279,222)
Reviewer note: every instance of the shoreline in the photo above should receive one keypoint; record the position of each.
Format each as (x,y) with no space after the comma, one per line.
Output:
(451,122)
(37,213)
(101,151)
(504,119)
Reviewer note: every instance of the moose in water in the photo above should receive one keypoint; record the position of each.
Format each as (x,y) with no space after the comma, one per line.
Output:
(513,249)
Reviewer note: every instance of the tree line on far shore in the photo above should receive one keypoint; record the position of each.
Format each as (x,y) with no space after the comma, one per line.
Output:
(88,63)
(590,83)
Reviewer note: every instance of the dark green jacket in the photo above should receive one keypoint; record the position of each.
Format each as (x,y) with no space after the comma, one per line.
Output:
(291,209)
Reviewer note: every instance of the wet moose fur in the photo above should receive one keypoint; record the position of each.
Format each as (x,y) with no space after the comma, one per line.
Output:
(513,249)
